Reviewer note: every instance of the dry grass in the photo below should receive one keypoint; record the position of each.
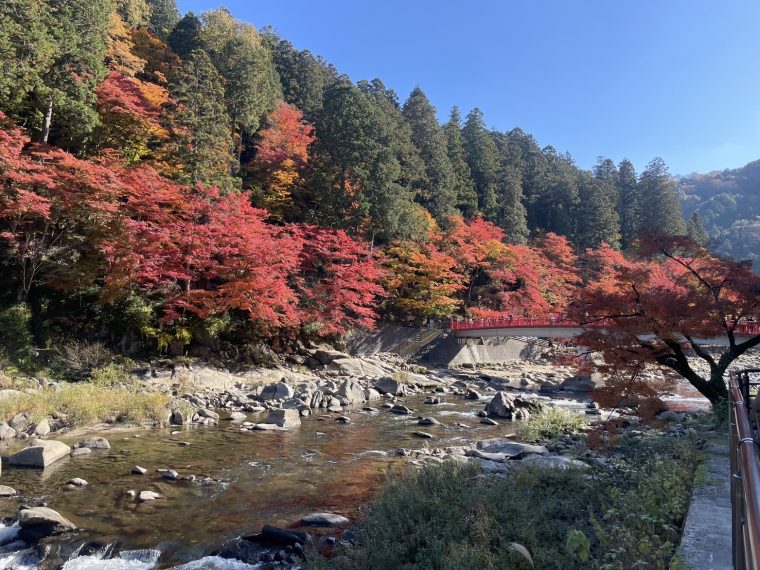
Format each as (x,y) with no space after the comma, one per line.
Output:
(87,404)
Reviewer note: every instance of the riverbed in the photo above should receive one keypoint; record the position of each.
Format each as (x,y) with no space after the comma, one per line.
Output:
(243,479)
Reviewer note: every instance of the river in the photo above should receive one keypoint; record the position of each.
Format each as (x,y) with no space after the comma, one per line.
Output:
(256,477)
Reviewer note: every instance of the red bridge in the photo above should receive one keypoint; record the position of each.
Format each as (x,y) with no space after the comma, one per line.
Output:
(559,327)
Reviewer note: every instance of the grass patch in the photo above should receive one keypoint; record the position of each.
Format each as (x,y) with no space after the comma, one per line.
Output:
(549,424)
(448,516)
(86,404)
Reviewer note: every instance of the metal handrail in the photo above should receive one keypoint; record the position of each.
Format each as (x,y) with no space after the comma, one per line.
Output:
(745,473)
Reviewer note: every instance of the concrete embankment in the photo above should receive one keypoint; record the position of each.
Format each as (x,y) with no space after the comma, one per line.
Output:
(446,350)
(706,540)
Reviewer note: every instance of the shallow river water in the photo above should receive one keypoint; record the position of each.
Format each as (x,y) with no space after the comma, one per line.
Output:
(259,478)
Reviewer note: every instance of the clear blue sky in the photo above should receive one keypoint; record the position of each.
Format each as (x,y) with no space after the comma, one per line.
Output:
(620,78)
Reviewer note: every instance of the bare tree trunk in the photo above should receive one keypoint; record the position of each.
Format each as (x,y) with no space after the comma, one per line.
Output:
(48,120)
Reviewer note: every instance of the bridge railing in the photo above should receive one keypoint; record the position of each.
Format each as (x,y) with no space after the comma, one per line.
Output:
(743,328)
(515,322)
(745,471)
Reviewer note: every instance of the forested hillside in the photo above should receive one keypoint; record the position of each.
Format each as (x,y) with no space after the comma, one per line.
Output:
(171,180)
(728,203)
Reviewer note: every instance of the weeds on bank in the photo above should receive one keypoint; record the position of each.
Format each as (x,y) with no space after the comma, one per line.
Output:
(86,404)
(549,424)
(449,516)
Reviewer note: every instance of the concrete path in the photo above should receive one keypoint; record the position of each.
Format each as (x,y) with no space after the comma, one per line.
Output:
(706,541)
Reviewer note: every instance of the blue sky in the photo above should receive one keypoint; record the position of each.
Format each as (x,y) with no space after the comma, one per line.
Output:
(620,78)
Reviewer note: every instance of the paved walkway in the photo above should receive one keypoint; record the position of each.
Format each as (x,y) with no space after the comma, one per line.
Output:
(706,541)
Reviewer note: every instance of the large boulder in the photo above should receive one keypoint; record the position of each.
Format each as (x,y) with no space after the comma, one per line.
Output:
(95,442)
(511,449)
(41,454)
(501,406)
(356,367)
(39,522)
(209,414)
(284,418)
(554,462)
(352,391)
(280,536)
(326,356)
(277,391)
(388,385)
(578,384)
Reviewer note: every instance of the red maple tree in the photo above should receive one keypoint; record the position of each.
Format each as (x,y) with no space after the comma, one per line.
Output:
(663,307)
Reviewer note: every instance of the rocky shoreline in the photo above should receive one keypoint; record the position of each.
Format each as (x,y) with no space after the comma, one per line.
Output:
(335,385)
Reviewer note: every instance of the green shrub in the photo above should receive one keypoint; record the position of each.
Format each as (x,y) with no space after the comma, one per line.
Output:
(110,375)
(445,517)
(450,516)
(16,344)
(549,424)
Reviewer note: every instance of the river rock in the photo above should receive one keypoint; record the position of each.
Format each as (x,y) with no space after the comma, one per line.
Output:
(9,393)
(6,491)
(237,416)
(580,384)
(146,496)
(554,462)
(20,422)
(77,482)
(80,451)
(327,356)
(38,522)
(490,466)
(512,449)
(277,391)
(343,419)
(137,470)
(324,519)
(177,418)
(41,454)
(489,422)
(432,400)
(352,391)
(428,422)
(42,428)
(6,432)
(96,442)
(399,409)
(274,535)
(169,475)
(371,395)
(472,394)
(422,434)
(284,418)
(208,414)
(501,406)
(267,427)
(356,367)
(388,385)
